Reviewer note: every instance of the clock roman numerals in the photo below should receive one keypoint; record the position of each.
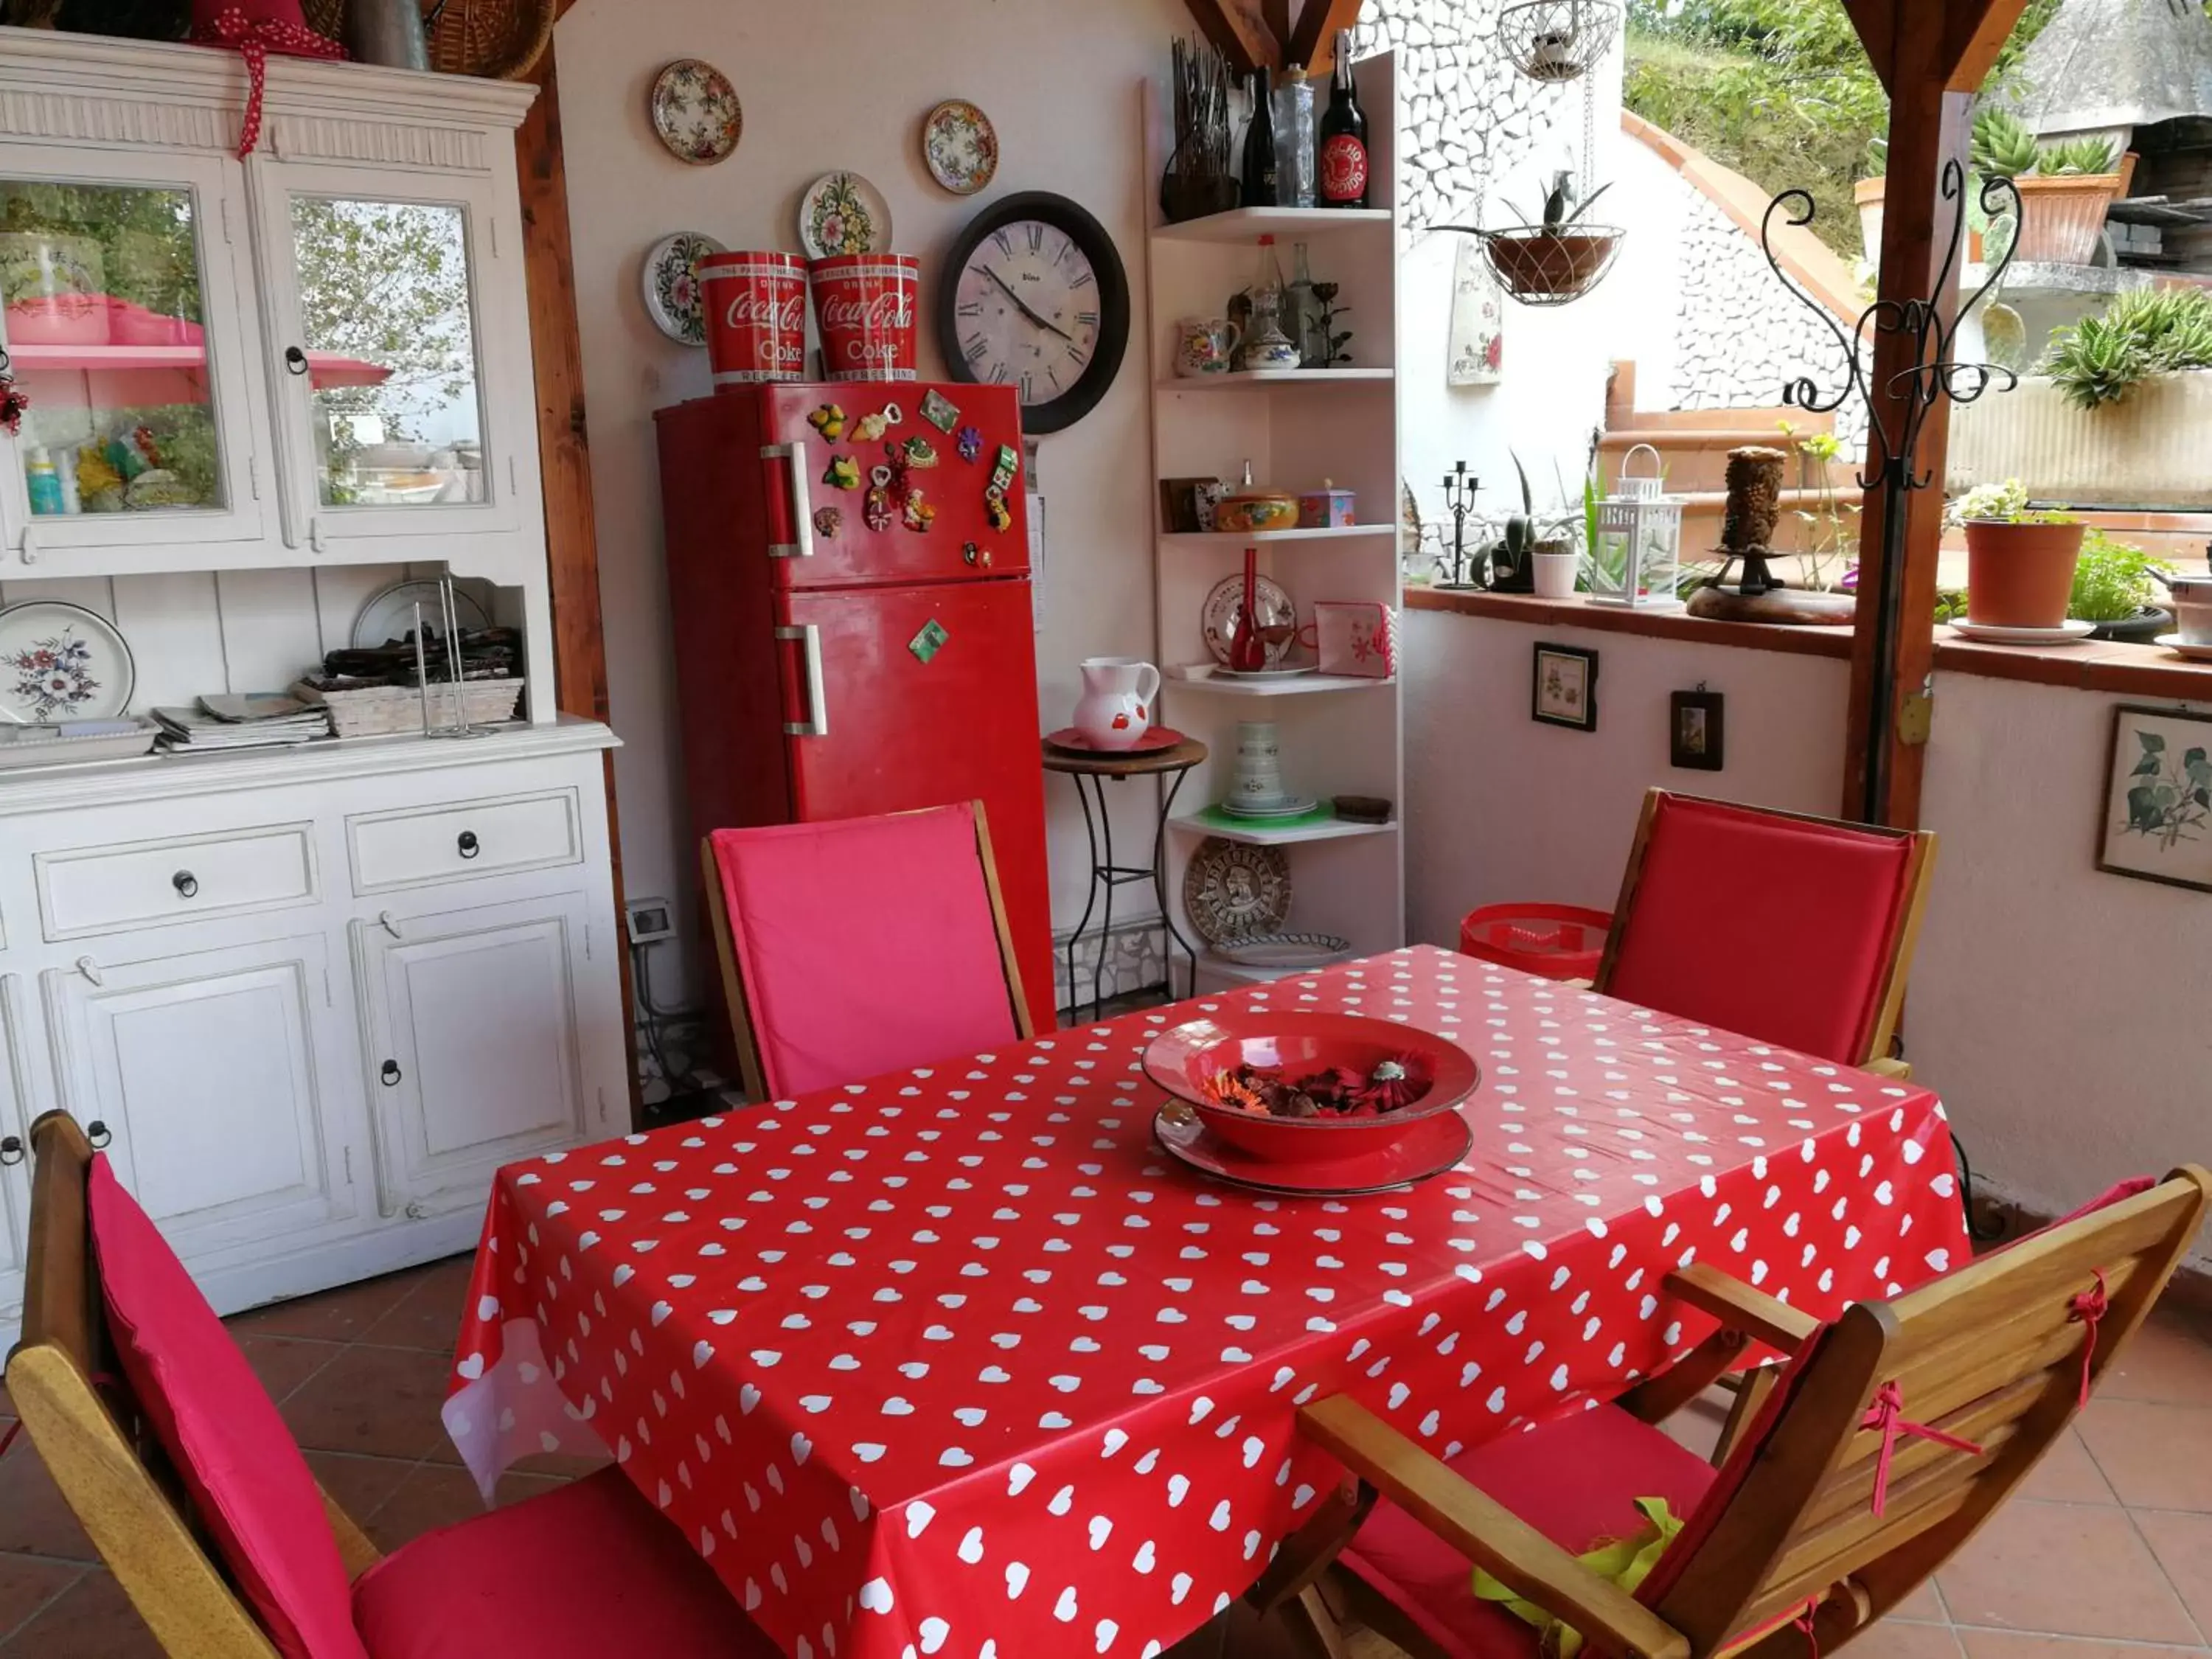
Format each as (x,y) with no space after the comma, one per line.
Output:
(1016,311)
(1004,243)
(971,308)
(1081,279)
(1036,236)
(974,348)
(1029,390)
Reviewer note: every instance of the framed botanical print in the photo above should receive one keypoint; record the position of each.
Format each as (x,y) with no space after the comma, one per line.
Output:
(2158,798)
(1697,731)
(1565,687)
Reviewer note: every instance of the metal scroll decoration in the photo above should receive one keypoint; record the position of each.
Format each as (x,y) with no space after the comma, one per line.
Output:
(1908,396)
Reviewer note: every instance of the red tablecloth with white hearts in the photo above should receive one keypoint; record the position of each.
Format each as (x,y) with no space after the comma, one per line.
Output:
(957,1362)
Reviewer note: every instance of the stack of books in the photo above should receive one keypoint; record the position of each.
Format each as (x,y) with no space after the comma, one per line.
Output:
(253,720)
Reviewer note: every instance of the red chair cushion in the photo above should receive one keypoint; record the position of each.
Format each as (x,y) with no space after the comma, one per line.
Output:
(1764,925)
(1574,1480)
(214,1420)
(864,945)
(591,1571)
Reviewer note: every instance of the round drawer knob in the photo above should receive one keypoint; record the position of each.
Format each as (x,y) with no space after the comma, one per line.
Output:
(185,882)
(390,1073)
(96,1133)
(469,845)
(11,1151)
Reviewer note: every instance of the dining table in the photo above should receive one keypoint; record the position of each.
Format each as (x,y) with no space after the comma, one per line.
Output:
(959,1361)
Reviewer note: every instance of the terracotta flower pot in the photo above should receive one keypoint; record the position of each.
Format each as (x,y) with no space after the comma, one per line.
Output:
(2062,217)
(2020,576)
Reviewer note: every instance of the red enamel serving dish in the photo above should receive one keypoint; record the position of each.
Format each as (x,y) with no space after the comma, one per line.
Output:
(1184,1060)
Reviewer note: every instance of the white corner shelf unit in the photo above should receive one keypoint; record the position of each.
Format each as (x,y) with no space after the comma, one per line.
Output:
(308,999)
(1339,735)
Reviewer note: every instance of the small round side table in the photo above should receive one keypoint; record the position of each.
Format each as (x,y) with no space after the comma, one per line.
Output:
(1174,764)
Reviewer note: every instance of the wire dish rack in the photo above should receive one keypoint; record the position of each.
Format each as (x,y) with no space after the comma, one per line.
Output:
(1557,41)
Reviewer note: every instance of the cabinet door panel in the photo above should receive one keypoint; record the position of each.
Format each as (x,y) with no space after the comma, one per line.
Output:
(205,1070)
(16,1110)
(472,1034)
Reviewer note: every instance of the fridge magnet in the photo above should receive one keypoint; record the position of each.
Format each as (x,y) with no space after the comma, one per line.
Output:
(928,642)
(1007,468)
(695,112)
(828,522)
(995,510)
(919,514)
(970,443)
(1565,687)
(870,427)
(2158,798)
(917,454)
(1696,734)
(671,285)
(828,420)
(843,213)
(877,512)
(939,410)
(1477,342)
(960,146)
(844,473)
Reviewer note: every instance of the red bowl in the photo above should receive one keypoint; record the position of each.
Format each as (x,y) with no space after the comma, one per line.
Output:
(1184,1060)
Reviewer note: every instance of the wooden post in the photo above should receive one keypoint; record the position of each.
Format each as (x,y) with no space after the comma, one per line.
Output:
(572,551)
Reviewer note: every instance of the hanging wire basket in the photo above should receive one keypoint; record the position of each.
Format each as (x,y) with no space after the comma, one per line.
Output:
(1557,41)
(1541,267)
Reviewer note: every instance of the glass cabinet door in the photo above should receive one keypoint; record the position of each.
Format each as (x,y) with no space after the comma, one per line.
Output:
(122,326)
(379,355)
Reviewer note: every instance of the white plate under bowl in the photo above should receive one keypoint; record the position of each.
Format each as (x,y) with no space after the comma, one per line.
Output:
(2175,642)
(1290,806)
(2072,634)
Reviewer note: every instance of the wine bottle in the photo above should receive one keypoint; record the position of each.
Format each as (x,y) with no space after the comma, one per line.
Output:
(1262,182)
(1344,136)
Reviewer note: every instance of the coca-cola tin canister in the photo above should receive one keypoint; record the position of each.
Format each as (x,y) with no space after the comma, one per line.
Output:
(865,305)
(756,310)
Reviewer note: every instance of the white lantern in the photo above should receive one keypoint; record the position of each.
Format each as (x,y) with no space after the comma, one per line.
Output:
(1637,558)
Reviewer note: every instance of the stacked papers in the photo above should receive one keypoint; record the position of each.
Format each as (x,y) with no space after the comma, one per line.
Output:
(251,720)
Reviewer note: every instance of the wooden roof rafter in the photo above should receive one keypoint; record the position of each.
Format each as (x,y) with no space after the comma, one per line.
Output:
(1274,34)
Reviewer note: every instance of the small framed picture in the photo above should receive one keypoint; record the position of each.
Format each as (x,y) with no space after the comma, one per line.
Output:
(1565,692)
(1697,733)
(2158,798)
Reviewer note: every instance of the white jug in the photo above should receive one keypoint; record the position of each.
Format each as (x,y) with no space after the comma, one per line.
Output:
(1116,710)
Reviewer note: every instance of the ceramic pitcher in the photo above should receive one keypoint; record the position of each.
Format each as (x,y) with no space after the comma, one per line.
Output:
(1116,708)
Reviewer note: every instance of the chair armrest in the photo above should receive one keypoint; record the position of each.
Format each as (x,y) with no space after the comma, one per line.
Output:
(1900,1070)
(1613,1621)
(1739,1306)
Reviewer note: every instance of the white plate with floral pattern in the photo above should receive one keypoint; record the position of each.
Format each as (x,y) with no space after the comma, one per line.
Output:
(62,662)
(960,146)
(695,112)
(671,281)
(843,213)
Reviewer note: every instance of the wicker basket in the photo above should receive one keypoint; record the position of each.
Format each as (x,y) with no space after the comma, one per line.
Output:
(378,711)
(500,40)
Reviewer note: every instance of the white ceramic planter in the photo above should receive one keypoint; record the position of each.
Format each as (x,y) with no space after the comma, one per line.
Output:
(2148,449)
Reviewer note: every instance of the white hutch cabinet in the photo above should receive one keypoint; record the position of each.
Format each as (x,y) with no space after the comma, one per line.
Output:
(308,999)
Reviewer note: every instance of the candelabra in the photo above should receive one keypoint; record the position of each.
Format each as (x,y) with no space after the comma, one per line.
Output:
(1466,570)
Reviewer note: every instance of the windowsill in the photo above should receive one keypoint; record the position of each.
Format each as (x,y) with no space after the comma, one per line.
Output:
(2125,669)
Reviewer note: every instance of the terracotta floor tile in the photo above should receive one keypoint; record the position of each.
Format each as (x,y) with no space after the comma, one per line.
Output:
(429,1315)
(92,1620)
(2069,1569)
(1893,1638)
(27,1582)
(2168,1360)
(2156,1457)
(2182,1544)
(35,1518)
(284,1363)
(2017,1644)
(435,1495)
(2067,1474)
(380,1402)
(338,1315)
(358,1484)
(1923,1606)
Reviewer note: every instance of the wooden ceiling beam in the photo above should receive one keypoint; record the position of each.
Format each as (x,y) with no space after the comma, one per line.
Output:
(1875,20)
(1975,31)
(1312,41)
(1239,31)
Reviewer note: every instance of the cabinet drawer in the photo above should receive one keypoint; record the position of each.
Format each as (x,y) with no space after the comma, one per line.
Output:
(154,883)
(421,845)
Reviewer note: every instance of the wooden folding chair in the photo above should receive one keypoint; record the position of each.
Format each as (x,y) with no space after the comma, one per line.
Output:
(1795,929)
(861,946)
(552,1577)
(1842,1482)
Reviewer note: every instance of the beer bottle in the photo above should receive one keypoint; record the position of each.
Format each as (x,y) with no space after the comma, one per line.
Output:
(1343,136)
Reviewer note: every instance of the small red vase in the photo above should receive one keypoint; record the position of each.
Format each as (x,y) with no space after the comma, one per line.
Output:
(1247,652)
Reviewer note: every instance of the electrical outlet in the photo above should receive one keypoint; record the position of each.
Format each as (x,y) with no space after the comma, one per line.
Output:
(650,920)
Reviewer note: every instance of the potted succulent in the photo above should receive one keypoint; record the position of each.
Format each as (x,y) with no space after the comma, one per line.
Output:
(2019,561)
(1559,258)
(2115,586)
(2063,202)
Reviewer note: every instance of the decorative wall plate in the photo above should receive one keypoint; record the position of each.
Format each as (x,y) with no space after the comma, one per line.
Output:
(960,146)
(843,213)
(671,280)
(1286,950)
(695,112)
(389,615)
(1232,889)
(62,662)
(1217,620)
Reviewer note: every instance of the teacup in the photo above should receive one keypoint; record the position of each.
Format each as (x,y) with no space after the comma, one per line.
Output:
(1206,345)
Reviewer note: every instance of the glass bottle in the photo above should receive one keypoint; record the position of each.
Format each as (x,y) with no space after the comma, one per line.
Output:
(1343,182)
(1266,346)
(1302,313)
(1262,187)
(1295,138)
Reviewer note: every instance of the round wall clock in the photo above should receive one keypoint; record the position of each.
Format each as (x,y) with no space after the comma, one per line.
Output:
(1035,297)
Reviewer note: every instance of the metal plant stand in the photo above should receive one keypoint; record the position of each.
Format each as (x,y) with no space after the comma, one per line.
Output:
(1091,773)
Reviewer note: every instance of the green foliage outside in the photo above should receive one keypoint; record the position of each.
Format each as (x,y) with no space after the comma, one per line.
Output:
(2112,580)
(2099,360)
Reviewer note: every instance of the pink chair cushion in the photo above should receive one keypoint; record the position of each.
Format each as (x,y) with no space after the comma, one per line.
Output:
(1764,925)
(214,1420)
(590,1570)
(1574,1480)
(864,945)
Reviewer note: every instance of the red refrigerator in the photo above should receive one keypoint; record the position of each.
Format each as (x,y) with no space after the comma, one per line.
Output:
(848,572)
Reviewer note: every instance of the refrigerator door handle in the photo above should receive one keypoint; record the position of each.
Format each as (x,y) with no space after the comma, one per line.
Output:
(802,509)
(817,723)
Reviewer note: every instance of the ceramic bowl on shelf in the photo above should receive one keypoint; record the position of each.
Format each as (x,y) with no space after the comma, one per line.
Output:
(1189,1061)
(1252,510)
